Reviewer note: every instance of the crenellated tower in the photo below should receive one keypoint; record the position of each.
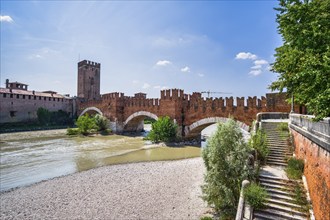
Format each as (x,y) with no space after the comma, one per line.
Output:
(89,80)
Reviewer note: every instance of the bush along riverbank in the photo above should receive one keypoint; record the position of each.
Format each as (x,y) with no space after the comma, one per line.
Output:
(87,125)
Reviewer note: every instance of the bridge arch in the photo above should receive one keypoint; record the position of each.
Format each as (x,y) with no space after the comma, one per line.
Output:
(134,122)
(194,130)
(94,109)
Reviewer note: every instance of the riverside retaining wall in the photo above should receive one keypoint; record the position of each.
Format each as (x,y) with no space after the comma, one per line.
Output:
(312,144)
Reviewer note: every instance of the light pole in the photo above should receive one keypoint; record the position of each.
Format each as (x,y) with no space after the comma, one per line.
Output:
(292,103)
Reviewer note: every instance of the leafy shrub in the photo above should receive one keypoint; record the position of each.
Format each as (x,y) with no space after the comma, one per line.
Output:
(101,122)
(86,124)
(255,195)
(258,141)
(283,126)
(72,131)
(225,157)
(295,168)
(163,129)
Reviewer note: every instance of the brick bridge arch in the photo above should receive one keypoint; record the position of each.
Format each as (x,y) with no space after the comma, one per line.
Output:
(91,109)
(195,128)
(134,122)
(188,110)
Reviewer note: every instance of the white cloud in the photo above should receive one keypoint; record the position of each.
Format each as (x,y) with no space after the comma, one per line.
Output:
(156,87)
(260,62)
(135,81)
(145,86)
(185,69)
(6,18)
(244,56)
(163,63)
(256,67)
(200,74)
(255,72)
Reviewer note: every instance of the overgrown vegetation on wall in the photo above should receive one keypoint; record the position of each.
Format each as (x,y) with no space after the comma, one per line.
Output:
(225,158)
(164,129)
(60,117)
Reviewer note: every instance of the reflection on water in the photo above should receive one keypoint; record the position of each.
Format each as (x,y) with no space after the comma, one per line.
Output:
(31,157)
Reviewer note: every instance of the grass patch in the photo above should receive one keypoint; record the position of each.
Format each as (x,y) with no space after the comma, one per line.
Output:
(295,168)
(72,131)
(256,196)
(284,130)
(283,126)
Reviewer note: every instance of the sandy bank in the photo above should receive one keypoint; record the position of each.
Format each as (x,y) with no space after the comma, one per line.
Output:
(153,190)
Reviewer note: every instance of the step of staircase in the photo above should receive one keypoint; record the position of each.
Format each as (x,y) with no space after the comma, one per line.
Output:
(286,209)
(272,186)
(270,214)
(289,194)
(284,202)
(287,198)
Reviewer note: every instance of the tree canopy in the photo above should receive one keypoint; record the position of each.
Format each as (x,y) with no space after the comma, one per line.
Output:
(303,61)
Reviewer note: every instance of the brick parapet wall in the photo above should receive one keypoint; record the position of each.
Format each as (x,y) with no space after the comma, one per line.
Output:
(187,108)
(311,142)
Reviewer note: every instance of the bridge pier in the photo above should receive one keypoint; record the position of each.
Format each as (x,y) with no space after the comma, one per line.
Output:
(116,126)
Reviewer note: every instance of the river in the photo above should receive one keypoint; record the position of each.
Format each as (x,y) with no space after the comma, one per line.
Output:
(31,157)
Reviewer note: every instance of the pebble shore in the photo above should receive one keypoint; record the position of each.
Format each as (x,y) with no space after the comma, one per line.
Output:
(151,190)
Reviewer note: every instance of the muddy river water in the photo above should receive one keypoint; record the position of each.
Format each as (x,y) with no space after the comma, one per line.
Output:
(31,157)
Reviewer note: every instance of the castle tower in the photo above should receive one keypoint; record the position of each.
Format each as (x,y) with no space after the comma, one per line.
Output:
(89,80)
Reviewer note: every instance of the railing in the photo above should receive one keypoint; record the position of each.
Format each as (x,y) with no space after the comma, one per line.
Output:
(318,132)
(244,210)
(272,115)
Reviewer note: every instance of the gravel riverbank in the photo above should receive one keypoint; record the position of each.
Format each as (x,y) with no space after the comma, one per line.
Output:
(152,190)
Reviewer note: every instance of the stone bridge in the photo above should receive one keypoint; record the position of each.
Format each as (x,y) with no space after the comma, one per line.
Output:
(191,112)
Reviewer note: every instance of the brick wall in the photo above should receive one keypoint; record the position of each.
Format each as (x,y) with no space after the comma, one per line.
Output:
(312,144)
(23,107)
(186,108)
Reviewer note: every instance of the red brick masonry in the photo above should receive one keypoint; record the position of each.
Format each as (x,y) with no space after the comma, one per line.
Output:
(317,172)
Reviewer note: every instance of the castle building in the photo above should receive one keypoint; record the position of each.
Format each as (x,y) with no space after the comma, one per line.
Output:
(88,80)
(18,104)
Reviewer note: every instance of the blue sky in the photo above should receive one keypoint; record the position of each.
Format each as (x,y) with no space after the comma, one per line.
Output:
(143,46)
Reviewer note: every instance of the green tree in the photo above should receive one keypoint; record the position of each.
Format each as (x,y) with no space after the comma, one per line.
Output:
(44,116)
(85,124)
(163,129)
(225,157)
(303,61)
(101,122)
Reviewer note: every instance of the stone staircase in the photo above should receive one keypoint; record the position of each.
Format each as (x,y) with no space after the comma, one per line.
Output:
(277,144)
(281,203)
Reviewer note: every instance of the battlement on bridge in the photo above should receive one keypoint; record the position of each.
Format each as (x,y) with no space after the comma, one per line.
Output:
(185,109)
